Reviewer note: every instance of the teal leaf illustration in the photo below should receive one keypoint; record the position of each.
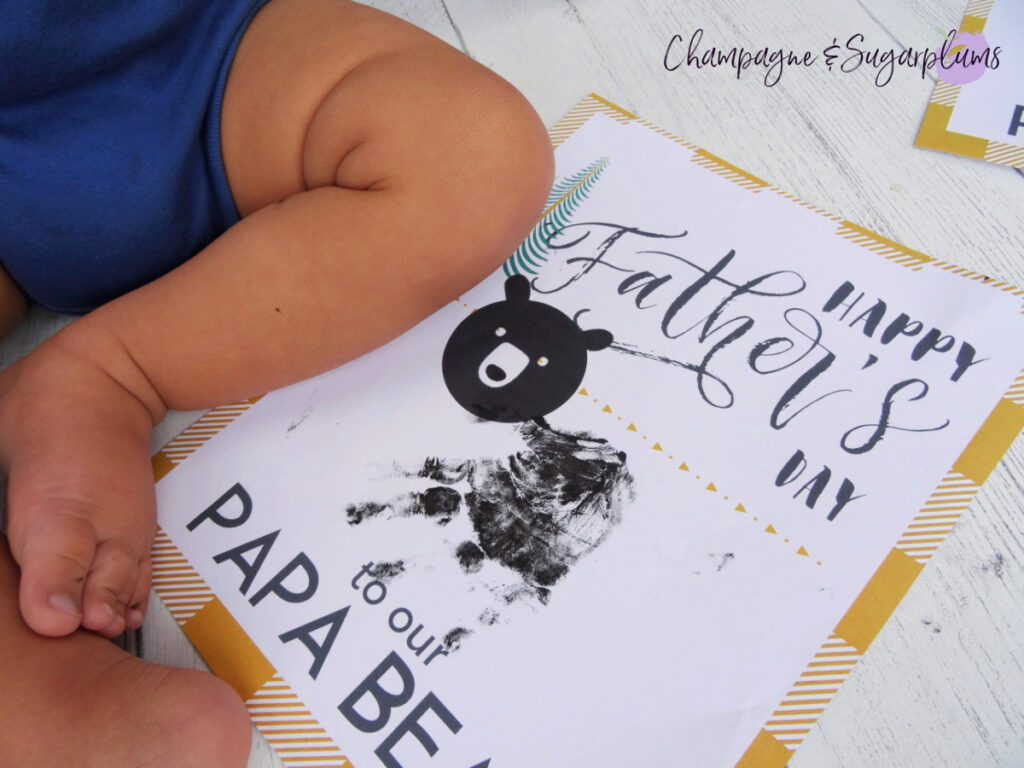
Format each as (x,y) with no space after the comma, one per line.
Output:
(566,196)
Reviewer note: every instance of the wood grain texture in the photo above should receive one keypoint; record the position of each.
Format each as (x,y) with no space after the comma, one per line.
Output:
(943,684)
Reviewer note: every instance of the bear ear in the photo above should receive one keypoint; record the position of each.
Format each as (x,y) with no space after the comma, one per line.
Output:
(517,290)
(597,338)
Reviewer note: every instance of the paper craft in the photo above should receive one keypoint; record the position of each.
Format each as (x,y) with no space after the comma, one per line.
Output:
(643,497)
(977,108)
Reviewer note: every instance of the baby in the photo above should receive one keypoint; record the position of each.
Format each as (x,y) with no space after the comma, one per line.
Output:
(374,173)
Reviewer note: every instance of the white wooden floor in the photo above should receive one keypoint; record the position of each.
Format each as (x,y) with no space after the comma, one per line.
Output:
(943,684)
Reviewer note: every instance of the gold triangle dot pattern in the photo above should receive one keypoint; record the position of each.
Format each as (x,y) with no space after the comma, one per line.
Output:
(710,486)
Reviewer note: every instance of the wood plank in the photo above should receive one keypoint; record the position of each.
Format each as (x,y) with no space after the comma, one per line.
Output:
(943,683)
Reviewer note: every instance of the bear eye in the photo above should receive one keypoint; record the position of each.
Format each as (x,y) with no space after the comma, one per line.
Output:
(499,331)
(542,361)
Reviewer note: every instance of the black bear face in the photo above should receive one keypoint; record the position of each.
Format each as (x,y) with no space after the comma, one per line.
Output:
(517,360)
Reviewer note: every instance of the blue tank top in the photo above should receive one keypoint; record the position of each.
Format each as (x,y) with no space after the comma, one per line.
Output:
(110,164)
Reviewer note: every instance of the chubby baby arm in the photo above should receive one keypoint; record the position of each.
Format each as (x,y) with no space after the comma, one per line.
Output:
(13,303)
(414,176)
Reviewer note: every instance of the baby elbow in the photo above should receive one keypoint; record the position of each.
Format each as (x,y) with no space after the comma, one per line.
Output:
(498,193)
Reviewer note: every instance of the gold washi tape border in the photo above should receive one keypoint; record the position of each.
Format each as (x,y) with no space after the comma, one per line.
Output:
(937,517)
(582,112)
(181,589)
(812,691)
(190,440)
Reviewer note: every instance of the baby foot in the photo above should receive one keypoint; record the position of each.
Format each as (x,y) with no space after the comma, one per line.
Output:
(81,511)
(82,701)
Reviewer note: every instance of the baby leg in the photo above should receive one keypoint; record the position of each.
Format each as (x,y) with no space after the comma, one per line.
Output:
(12,303)
(80,503)
(82,701)
(380,172)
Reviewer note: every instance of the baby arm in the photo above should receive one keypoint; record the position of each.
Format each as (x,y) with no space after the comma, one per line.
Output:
(415,174)
(12,303)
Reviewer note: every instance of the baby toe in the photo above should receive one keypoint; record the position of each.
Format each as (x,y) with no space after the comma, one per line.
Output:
(139,600)
(55,555)
(110,587)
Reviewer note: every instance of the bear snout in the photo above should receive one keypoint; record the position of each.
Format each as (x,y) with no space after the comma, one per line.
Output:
(502,365)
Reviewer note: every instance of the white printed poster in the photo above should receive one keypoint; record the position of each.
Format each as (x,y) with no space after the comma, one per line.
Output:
(610,506)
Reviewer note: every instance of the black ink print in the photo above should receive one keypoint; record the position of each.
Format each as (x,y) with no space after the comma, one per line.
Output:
(453,640)
(437,503)
(470,556)
(534,513)
(385,572)
(436,469)
(540,510)
(357,513)
(489,617)
(517,359)
(306,412)
(440,503)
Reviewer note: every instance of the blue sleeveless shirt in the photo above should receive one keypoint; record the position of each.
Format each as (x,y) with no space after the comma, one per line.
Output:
(110,164)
